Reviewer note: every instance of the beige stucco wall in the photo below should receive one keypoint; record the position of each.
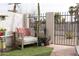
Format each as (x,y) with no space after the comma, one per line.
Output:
(11,22)
(50,26)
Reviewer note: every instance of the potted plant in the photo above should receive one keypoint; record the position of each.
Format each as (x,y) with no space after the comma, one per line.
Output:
(2,42)
(69,35)
(2,31)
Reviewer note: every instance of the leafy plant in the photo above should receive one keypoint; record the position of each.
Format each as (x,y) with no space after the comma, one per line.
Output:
(69,35)
(57,18)
(36,27)
(2,31)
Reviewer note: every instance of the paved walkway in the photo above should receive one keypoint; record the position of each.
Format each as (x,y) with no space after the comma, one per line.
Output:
(61,50)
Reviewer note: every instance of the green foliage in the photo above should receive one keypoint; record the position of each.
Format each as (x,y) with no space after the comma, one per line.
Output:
(71,10)
(57,18)
(36,27)
(69,35)
(2,29)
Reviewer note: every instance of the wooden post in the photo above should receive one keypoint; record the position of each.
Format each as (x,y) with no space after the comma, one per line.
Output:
(22,46)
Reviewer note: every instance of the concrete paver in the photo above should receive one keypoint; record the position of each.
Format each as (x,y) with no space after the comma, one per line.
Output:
(61,50)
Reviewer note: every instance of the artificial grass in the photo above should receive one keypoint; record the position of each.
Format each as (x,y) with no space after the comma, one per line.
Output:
(30,51)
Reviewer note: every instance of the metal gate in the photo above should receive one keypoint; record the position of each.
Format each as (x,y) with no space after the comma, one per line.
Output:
(65,29)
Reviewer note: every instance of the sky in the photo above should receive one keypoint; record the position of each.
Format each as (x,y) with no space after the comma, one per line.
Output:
(30,6)
(45,5)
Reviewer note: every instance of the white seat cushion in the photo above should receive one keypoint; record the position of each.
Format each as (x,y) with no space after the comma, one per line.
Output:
(29,39)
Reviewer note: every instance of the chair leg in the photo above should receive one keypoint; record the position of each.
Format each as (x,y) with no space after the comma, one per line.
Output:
(22,46)
(37,43)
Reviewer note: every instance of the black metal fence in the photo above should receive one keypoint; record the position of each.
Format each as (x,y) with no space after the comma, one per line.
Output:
(66,29)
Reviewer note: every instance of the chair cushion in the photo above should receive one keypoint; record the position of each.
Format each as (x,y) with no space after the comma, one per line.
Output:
(30,39)
(24,31)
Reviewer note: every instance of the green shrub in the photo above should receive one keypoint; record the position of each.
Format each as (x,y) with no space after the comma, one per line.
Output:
(69,35)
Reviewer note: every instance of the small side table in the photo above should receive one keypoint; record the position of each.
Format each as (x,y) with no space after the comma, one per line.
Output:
(3,42)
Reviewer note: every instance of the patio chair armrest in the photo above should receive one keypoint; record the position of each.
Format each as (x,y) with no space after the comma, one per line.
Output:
(19,36)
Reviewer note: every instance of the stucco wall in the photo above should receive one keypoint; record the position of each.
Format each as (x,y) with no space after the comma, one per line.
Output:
(50,26)
(11,22)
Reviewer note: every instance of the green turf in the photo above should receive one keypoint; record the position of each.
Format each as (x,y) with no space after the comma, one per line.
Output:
(30,51)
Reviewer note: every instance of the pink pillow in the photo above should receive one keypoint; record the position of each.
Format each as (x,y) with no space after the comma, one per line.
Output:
(24,31)
(28,32)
